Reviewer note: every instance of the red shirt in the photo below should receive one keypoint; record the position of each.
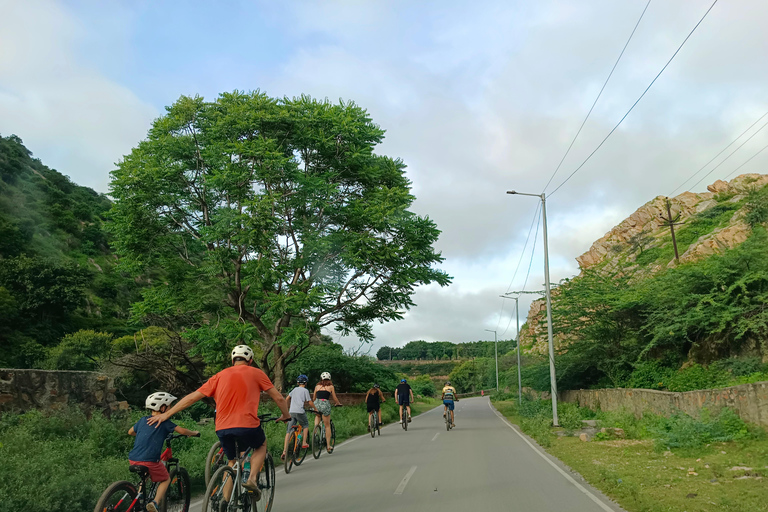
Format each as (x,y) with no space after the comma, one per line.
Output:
(236,391)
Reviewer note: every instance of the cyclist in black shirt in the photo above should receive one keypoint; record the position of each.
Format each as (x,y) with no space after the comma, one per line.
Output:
(373,400)
(404,397)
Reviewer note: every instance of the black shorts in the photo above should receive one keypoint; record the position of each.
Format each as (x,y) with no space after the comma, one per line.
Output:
(404,400)
(370,406)
(244,437)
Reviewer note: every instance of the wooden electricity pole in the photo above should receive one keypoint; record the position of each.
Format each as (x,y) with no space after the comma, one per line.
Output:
(672,222)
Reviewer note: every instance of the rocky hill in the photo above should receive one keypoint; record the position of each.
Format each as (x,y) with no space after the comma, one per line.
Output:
(641,245)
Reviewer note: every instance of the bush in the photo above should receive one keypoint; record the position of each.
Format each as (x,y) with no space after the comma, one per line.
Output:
(649,375)
(697,377)
(423,386)
(683,431)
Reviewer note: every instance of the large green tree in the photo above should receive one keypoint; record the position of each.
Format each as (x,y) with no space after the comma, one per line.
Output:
(274,213)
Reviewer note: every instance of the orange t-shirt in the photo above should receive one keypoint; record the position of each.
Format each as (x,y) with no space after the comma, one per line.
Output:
(236,391)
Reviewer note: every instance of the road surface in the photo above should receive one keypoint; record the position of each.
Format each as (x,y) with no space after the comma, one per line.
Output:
(482,464)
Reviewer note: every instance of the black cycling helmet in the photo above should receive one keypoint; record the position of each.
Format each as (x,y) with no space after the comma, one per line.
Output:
(376,386)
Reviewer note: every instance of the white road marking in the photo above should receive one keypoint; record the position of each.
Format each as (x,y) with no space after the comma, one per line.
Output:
(404,482)
(558,468)
(436,436)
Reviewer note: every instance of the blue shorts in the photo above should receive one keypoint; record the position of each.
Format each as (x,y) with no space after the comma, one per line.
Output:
(448,403)
(245,438)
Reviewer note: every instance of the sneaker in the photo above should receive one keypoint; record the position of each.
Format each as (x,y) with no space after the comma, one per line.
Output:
(253,488)
(453,425)
(152,506)
(369,428)
(409,419)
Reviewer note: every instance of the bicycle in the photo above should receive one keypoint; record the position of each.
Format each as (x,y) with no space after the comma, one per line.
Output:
(404,418)
(373,423)
(215,459)
(318,437)
(447,416)
(124,496)
(234,476)
(296,453)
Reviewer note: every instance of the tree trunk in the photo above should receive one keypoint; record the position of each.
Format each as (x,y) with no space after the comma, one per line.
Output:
(279,369)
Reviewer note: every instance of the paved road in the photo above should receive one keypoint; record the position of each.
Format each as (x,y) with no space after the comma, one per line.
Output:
(482,464)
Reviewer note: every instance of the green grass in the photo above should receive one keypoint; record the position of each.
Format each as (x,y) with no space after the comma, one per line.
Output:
(641,475)
(63,461)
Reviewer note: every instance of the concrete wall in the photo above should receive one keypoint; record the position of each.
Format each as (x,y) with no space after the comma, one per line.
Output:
(22,390)
(749,401)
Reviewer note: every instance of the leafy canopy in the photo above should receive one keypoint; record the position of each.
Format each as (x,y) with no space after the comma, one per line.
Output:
(275,213)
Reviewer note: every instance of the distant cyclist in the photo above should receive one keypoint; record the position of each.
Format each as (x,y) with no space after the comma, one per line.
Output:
(404,397)
(324,391)
(373,400)
(449,395)
(236,390)
(297,399)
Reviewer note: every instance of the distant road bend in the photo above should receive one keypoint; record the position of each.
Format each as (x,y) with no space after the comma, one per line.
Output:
(482,464)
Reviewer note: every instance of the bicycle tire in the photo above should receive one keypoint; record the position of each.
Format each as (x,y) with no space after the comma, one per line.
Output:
(301,452)
(290,453)
(317,441)
(214,461)
(447,421)
(179,492)
(266,481)
(404,419)
(117,497)
(373,421)
(214,491)
(333,437)
(378,424)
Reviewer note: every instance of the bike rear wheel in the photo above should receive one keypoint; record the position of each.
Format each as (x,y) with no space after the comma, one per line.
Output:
(214,460)
(266,481)
(179,492)
(333,438)
(301,453)
(118,497)
(404,418)
(214,492)
(290,453)
(373,423)
(317,441)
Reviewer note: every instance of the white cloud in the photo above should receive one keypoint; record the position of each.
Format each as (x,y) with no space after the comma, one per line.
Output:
(70,115)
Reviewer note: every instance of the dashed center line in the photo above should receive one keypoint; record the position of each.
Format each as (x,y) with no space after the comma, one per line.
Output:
(404,482)
(436,436)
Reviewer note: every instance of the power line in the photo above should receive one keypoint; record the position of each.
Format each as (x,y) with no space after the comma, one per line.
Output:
(729,156)
(522,253)
(637,101)
(717,155)
(533,251)
(598,96)
(745,163)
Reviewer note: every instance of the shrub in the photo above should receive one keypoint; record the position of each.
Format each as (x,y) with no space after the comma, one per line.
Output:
(697,377)
(683,431)
(649,375)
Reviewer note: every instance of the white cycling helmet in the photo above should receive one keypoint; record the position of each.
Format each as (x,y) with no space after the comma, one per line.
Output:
(325,376)
(156,400)
(243,351)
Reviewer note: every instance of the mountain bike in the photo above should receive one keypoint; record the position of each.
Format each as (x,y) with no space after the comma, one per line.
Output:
(447,418)
(228,480)
(124,496)
(215,459)
(404,418)
(373,424)
(318,437)
(296,453)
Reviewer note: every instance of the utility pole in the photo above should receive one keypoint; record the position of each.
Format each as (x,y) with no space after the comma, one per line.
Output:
(669,221)
(552,376)
(516,298)
(496,349)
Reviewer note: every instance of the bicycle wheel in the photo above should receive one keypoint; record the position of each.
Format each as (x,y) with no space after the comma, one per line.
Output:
(118,497)
(290,453)
(214,460)
(372,423)
(333,437)
(405,418)
(179,492)
(378,424)
(266,480)
(447,421)
(213,499)
(317,440)
(300,451)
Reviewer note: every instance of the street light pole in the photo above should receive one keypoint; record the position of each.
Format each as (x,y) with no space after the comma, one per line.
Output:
(496,349)
(552,377)
(519,375)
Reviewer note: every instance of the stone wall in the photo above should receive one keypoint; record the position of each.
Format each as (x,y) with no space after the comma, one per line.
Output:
(749,401)
(22,390)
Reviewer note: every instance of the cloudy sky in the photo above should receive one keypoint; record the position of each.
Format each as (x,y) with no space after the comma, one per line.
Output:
(476,97)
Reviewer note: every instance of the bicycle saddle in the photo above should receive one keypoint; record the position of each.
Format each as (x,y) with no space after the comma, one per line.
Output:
(141,470)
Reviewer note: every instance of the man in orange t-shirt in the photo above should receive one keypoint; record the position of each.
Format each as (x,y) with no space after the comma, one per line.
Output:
(236,390)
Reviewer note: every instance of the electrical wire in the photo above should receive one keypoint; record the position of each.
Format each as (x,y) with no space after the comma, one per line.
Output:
(530,263)
(522,253)
(637,101)
(717,155)
(598,96)
(745,163)
(729,156)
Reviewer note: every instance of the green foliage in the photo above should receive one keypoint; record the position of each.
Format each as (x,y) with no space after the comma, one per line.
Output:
(704,223)
(683,431)
(423,386)
(473,375)
(276,213)
(82,350)
(756,206)
(421,350)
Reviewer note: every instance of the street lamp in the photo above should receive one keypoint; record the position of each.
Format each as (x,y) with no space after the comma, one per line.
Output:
(519,375)
(496,349)
(552,378)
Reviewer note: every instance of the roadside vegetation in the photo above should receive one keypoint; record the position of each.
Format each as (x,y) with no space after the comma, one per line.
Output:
(670,464)
(64,460)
